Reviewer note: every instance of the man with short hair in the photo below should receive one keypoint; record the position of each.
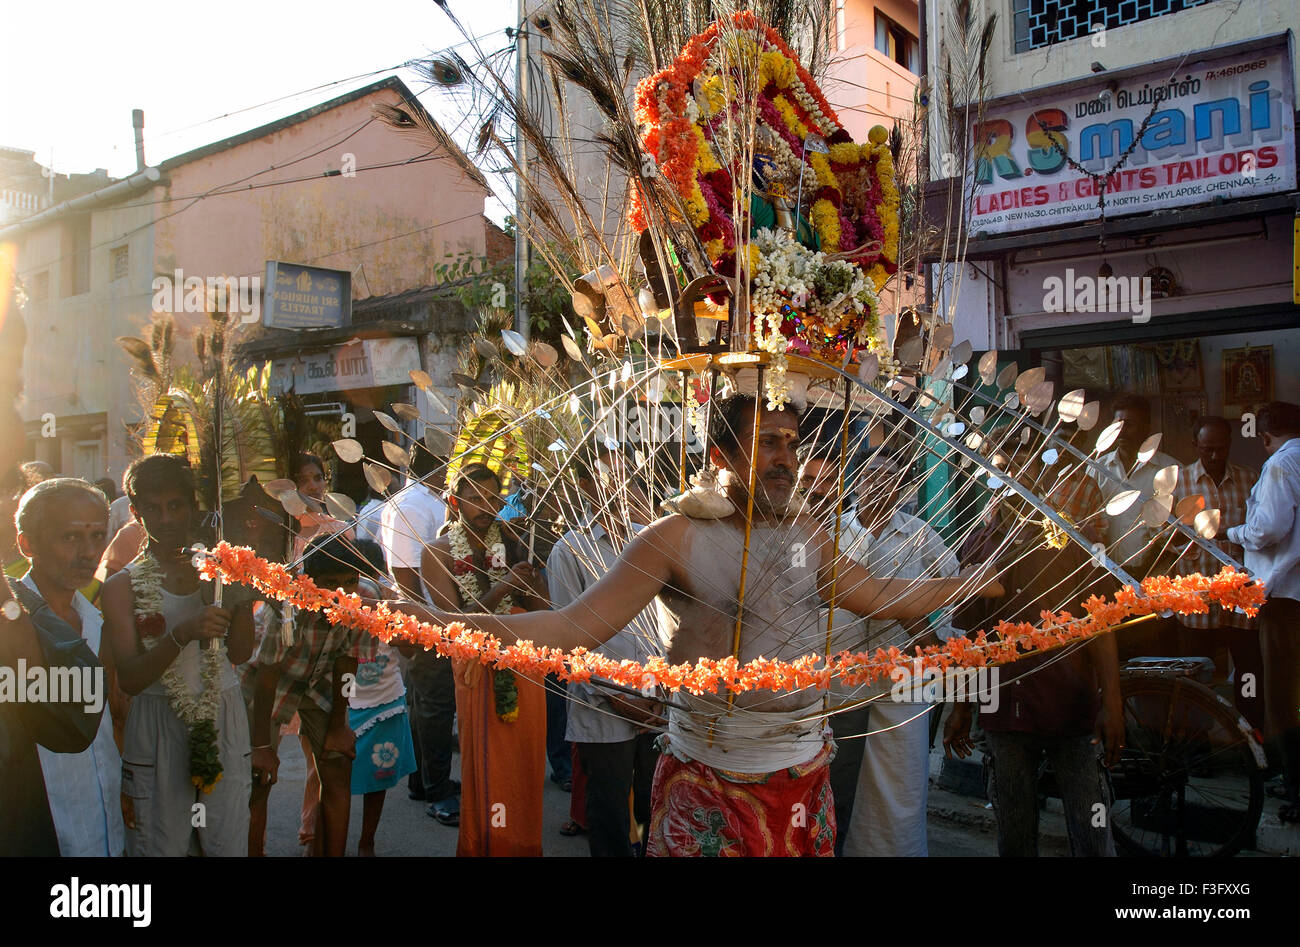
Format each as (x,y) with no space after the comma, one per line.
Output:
(411,520)
(732,771)
(1222,486)
(1064,705)
(893,781)
(160,624)
(62,530)
(609,729)
(1271,537)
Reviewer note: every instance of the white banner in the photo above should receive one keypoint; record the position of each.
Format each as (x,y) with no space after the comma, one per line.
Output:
(1224,128)
(368,363)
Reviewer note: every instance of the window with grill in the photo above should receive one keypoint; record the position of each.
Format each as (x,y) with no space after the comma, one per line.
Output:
(1040,23)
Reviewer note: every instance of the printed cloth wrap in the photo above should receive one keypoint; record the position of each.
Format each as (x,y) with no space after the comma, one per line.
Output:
(702,811)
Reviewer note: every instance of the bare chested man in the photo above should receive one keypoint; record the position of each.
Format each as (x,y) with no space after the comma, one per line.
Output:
(751,779)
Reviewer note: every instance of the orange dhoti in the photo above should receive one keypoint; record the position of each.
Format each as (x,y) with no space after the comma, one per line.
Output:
(502,766)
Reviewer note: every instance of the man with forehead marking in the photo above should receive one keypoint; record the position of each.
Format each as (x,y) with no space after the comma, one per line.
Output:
(730,779)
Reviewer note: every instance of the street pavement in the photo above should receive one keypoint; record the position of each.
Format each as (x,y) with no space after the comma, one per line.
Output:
(405,830)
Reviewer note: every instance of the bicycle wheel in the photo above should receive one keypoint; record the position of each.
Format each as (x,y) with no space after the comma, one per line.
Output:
(1189,781)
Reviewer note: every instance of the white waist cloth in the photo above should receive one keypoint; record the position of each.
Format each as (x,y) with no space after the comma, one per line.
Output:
(748,741)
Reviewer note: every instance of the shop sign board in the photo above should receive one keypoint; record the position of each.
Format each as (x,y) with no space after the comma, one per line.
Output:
(364,363)
(1221,126)
(306,297)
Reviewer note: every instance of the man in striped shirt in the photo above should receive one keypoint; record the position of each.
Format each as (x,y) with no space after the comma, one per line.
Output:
(1223,486)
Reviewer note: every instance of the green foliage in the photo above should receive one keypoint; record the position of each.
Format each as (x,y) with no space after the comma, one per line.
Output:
(479,285)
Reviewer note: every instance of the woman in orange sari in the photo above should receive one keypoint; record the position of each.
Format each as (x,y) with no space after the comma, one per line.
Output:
(502,714)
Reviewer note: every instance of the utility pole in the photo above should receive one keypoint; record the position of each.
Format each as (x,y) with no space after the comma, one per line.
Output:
(521,175)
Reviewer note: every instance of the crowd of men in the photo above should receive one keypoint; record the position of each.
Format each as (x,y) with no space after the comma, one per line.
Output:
(108,582)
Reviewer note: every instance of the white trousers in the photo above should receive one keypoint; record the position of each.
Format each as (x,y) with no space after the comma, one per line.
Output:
(893,784)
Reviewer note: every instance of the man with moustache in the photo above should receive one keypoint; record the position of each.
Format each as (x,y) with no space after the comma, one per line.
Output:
(731,776)
(62,530)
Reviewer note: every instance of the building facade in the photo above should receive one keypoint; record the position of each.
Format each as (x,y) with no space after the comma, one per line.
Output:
(1182,117)
(330,187)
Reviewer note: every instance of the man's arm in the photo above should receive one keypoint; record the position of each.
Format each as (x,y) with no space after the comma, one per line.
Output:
(638,575)
(898,599)
(264,759)
(1272,517)
(60,726)
(137,668)
(338,735)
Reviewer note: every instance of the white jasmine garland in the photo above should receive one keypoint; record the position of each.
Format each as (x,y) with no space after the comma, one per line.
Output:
(192,709)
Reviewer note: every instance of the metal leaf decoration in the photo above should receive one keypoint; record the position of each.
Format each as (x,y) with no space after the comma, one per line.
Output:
(378,478)
(988,366)
(421,379)
(869,369)
(1120,502)
(1028,379)
(276,488)
(514,342)
(545,355)
(349,450)
(1007,377)
(395,455)
(1039,397)
(1165,480)
(388,422)
(1149,448)
(1071,405)
(407,412)
(1106,439)
(340,506)
(1156,510)
(1188,507)
(1207,523)
(961,352)
(293,503)
(1089,416)
(942,337)
(571,348)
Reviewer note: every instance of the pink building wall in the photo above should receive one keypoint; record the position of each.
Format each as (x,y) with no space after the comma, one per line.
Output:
(863,85)
(390,226)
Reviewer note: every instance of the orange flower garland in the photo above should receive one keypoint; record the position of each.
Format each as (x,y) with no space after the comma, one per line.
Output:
(1185,595)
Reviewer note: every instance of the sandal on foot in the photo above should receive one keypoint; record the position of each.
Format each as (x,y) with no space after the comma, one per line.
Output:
(572,828)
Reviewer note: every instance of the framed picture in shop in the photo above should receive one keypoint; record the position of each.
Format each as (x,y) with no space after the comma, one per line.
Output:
(1180,365)
(1247,378)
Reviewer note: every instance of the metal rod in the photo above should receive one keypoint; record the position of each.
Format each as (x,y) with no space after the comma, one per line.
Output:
(686,426)
(749,524)
(835,533)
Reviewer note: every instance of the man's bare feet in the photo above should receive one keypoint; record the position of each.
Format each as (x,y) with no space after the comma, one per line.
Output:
(365,850)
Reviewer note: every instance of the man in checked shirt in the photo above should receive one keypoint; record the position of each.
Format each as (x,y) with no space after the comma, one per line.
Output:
(1224,486)
(310,674)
